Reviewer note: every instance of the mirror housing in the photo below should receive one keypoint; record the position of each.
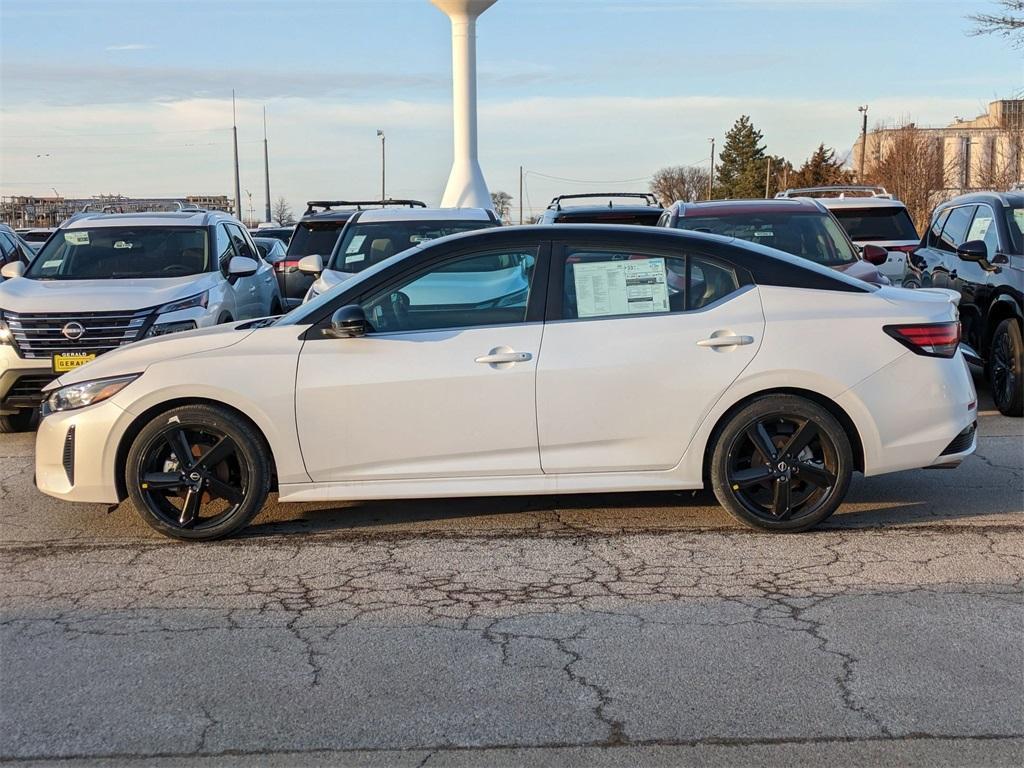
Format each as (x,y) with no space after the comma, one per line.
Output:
(12,270)
(875,254)
(973,250)
(242,266)
(349,322)
(311,265)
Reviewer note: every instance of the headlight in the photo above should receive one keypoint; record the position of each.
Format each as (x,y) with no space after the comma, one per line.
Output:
(162,329)
(87,393)
(199,300)
(6,337)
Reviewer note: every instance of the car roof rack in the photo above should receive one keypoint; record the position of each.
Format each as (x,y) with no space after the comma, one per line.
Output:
(837,190)
(328,205)
(556,202)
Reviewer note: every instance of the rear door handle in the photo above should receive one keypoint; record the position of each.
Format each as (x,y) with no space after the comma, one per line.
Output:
(504,357)
(725,341)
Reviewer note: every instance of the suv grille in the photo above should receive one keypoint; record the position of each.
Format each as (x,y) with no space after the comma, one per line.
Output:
(42,335)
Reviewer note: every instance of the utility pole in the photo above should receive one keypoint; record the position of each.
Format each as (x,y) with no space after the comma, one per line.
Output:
(863,141)
(767,178)
(520,194)
(234,131)
(383,164)
(711,175)
(266,166)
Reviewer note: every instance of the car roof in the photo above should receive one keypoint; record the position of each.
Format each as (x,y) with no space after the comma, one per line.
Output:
(584,210)
(151,219)
(859,202)
(741,207)
(425,214)
(1011,199)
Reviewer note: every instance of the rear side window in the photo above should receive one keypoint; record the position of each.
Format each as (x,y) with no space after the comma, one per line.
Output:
(600,284)
(888,223)
(954,233)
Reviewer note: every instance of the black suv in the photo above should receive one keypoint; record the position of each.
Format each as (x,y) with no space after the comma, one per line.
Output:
(316,233)
(646,213)
(975,245)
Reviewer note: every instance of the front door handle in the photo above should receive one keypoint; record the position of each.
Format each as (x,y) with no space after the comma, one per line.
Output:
(495,357)
(725,341)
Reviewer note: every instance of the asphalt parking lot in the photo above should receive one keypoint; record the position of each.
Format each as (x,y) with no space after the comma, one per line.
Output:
(577,630)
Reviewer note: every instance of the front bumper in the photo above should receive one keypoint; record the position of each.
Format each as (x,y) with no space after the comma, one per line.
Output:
(21,381)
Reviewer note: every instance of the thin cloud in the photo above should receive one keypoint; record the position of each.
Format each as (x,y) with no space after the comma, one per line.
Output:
(128,47)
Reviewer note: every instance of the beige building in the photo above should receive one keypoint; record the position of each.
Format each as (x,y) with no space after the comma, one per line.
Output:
(29,211)
(984,153)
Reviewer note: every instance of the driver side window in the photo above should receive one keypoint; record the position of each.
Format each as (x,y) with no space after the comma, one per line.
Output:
(467,291)
(224,249)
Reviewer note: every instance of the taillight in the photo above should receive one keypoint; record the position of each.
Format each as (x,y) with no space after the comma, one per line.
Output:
(284,266)
(930,339)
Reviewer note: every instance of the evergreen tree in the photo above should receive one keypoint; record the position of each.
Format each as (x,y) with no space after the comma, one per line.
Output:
(820,169)
(742,162)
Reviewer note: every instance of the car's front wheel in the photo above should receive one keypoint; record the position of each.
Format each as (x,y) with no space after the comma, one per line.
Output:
(1006,368)
(781,463)
(198,472)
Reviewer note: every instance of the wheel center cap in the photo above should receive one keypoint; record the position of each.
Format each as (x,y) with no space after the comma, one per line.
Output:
(195,477)
(782,466)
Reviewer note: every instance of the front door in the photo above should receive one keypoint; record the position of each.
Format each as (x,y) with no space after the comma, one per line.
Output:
(444,385)
(642,346)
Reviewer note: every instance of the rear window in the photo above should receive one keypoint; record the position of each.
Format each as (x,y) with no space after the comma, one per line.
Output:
(877,223)
(314,237)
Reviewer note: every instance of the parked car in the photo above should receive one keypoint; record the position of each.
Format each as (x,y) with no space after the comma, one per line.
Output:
(801,226)
(13,248)
(277,231)
(106,280)
(646,213)
(36,237)
(871,216)
(371,236)
(974,245)
(316,234)
(273,252)
(393,385)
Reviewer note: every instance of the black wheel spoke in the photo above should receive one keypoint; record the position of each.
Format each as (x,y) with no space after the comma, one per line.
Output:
(182,448)
(190,509)
(156,481)
(225,491)
(816,475)
(217,453)
(800,439)
(781,504)
(744,478)
(758,435)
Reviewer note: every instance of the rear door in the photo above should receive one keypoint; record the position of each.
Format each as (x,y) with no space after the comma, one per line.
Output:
(638,347)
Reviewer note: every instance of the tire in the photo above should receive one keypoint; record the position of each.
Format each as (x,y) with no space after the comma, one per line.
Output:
(218,493)
(22,421)
(766,481)
(1005,368)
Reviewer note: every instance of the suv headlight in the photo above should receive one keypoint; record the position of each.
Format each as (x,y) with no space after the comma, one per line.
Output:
(199,300)
(6,337)
(86,393)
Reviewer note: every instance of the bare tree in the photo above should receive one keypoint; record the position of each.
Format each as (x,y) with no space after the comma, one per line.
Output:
(912,169)
(1007,22)
(502,204)
(283,212)
(679,182)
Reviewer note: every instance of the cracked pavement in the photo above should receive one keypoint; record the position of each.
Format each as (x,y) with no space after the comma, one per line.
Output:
(575,630)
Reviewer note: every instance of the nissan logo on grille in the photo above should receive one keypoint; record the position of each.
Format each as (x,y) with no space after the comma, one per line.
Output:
(73,331)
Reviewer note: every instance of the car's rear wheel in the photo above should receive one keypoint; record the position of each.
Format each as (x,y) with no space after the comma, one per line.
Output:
(22,421)
(198,472)
(1006,368)
(781,463)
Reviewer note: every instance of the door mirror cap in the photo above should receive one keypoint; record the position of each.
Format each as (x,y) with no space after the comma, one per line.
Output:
(311,265)
(875,254)
(348,322)
(12,270)
(973,250)
(242,266)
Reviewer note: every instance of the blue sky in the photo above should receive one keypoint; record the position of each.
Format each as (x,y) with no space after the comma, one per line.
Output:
(133,96)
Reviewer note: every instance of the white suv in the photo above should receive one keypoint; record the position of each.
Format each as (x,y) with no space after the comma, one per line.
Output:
(871,216)
(373,235)
(106,280)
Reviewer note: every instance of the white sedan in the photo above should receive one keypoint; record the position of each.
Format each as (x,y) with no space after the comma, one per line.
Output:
(625,359)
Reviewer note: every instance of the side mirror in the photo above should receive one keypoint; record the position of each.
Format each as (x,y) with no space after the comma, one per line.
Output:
(242,266)
(875,254)
(348,322)
(311,265)
(12,270)
(973,250)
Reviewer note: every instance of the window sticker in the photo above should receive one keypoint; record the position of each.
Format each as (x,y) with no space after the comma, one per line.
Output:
(355,258)
(123,244)
(620,287)
(979,227)
(52,263)
(420,238)
(76,238)
(356,244)
(1018,217)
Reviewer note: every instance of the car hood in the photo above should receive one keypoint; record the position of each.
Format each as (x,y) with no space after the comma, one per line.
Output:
(863,270)
(135,358)
(25,294)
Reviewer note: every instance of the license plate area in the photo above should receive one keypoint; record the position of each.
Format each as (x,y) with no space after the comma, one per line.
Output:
(68,361)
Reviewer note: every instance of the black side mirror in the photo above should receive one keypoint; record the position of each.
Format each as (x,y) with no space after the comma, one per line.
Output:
(973,250)
(875,254)
(348,322)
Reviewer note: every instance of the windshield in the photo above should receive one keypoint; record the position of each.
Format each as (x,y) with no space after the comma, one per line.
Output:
(363,245)
(812,236)
(314,237)
(1015,217)
(888,223)
(102,253)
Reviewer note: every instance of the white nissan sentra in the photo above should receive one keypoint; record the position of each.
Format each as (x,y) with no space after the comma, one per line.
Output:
(635,359)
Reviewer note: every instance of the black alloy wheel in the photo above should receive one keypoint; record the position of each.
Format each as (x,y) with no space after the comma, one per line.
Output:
(782,463)
(198,473)
(1005,374)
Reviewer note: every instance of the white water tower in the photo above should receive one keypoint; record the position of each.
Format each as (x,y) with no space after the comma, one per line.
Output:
(466,186)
